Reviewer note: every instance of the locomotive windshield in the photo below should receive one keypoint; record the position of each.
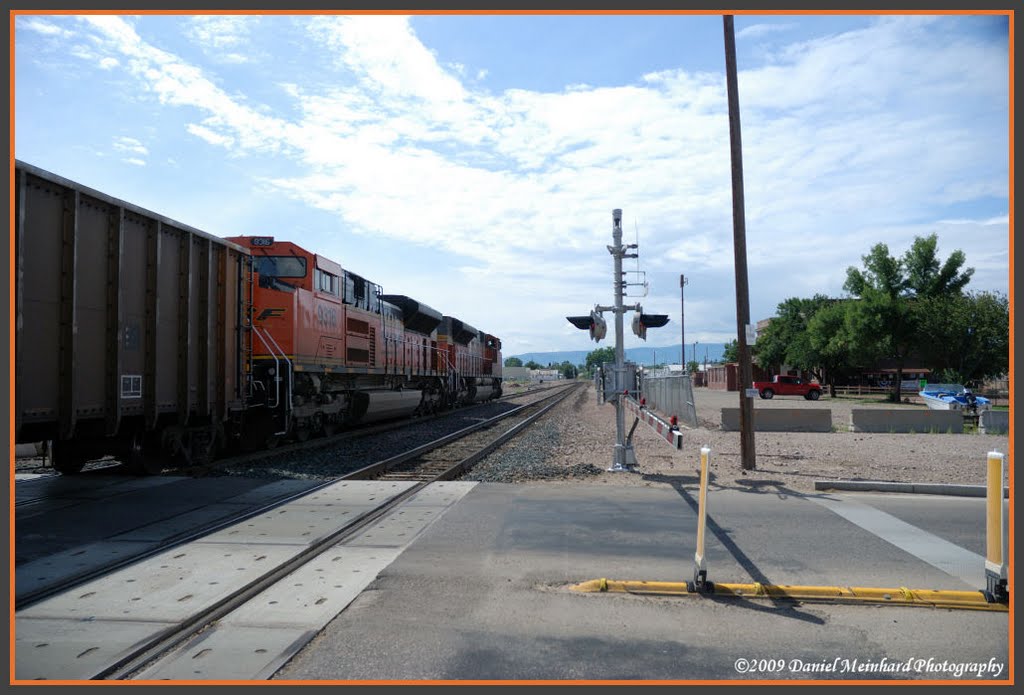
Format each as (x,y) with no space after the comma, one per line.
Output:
(271,268)
(280,266)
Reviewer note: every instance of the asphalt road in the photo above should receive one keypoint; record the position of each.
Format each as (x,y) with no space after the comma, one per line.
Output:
(482,593)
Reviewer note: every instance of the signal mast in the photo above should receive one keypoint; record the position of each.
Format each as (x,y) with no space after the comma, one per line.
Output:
(623,375)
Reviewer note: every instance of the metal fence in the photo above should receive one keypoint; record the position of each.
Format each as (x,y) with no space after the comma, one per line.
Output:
(671,395)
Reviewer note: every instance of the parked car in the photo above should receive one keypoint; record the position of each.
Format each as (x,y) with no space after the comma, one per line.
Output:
(782,385)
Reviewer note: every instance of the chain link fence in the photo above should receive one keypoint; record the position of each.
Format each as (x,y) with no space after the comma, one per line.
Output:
(670,395)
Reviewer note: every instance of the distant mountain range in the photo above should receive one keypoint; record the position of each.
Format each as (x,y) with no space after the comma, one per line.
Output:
(667,354)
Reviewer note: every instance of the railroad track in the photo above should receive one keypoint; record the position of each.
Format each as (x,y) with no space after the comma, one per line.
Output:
(541,394)
(410,465)
(110,465)
(443,459)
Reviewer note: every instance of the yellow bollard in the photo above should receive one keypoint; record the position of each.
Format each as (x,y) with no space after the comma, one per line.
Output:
(995,529)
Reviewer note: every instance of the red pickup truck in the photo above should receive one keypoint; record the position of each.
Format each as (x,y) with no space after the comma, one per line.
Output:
(788,386)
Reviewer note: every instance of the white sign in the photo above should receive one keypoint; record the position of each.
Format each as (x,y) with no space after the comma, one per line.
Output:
(751,335)
(751,393)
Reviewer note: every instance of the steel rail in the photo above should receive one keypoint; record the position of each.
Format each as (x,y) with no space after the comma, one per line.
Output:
(376,469)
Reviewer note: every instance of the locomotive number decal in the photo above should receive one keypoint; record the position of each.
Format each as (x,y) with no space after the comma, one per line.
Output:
(327,316)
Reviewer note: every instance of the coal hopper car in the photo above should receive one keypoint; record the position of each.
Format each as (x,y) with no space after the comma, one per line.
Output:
(129,335)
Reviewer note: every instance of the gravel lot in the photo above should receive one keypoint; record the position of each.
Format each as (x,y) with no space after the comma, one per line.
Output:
(576,444)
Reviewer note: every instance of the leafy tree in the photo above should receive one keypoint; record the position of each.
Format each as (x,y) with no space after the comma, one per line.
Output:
(883,321)
(532,365)
(830,343)
(809,334)
(786,340)
(966,337)
(513,362)
(731,352)
(599,356)
(567,370)
(692,367)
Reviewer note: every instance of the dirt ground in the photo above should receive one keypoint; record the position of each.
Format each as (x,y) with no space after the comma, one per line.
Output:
(786,462)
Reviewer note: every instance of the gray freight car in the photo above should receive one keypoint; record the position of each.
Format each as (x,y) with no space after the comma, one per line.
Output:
(130,334)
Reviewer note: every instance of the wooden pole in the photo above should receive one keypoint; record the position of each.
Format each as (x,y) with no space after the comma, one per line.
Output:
(748,458)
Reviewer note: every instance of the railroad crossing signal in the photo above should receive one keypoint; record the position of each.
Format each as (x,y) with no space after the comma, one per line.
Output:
(642,321)
(595,323)
(623,455)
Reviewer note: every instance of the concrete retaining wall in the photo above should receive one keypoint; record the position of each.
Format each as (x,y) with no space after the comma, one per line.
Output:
(994,421)
(901,420)
(781,419)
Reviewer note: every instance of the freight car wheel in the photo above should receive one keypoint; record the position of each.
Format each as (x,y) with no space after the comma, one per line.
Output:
(66,459)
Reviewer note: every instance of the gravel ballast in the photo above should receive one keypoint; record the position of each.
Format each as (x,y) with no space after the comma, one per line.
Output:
(575,444)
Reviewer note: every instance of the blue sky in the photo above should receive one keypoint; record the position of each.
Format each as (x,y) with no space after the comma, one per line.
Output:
(473,162)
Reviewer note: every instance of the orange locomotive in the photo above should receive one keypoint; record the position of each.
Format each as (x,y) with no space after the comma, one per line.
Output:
(329,348)
(144,338)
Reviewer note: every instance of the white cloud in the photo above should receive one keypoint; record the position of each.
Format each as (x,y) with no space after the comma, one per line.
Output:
(130,145)
(210,136)
(217,32)
(848,139)
(759,30)
(135,161)
(41,26)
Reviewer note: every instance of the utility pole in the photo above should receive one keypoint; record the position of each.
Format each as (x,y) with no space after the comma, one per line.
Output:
(683,282)
(747,456)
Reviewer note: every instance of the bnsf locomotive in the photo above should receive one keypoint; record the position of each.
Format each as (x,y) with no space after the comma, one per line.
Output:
(146,339)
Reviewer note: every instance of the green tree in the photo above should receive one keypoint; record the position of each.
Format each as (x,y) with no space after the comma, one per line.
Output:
(692,367)
(731,351)
(883,320)
(513,362)
(786,340)
(567,370)
(595,358)
(532,365)
(965,337)
(830,343)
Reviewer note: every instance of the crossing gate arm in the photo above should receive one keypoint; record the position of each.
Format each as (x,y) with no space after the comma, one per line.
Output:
(670,434)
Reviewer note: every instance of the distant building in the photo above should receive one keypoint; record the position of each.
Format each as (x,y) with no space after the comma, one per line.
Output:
(515,373)
(545,374)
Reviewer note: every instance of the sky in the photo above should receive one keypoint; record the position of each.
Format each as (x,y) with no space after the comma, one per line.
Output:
(473,162)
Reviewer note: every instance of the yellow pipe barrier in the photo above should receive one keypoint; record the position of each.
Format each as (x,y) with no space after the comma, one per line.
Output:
(900,596)
(995,528)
